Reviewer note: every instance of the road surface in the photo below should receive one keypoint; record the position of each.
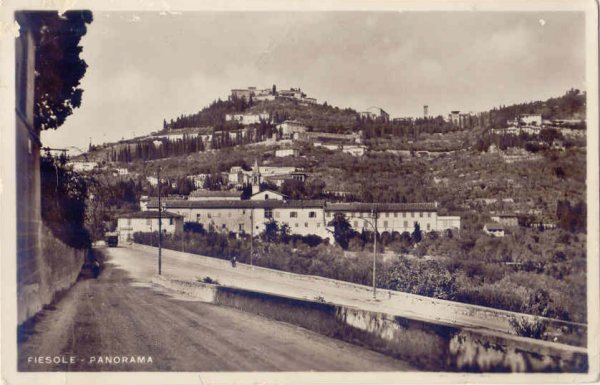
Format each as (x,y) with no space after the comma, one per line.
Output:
(119,322)
(141,262)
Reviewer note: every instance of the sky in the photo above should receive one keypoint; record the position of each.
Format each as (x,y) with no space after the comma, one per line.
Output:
(146,67)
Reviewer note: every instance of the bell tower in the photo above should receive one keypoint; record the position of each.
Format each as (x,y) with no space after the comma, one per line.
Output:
(256,178)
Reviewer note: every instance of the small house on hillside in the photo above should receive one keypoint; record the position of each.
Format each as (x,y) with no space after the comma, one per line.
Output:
(508,220)
(494,229)
(147,222)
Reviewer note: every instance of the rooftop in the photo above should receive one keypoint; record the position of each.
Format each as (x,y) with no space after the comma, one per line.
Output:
(150,214)
(257,204)
(214,194)
(241,204)
(494,226)
(361,206)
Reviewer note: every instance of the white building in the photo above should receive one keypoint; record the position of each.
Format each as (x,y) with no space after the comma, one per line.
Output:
(198,180)
(80,166)
(147,222)
(152,180)
(448,223)
(266,195)
(289,127)
(121,171)
(144,200)
(354,150)
(494,229)
(247,119)
(286,152)
(391,217)
(530,119)
(305,217)
(375,113)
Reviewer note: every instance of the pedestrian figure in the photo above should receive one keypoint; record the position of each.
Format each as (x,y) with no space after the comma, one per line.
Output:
(96,269)
(233,260)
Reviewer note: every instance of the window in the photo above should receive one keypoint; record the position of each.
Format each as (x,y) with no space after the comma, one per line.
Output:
(385,224)
(351,215)
(318,224)
(387,215)
(171,221)
(329,214)
(305,224)
(360,215)
(241,227)
(148,222)
(293,214)
(421,214)
(208,215)
(412,214)
(428,215)
(129,221)
(312,214)
(428,227)
(405,224)
(395,215)
(403,215)
(198,217)
(266,196)
(296,224)
(268,213)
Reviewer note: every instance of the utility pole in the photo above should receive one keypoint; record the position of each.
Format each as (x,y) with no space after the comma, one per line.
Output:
(374,213)
(251,235)
(159,228)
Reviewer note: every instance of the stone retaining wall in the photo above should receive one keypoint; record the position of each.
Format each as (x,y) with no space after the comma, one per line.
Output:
(428,345)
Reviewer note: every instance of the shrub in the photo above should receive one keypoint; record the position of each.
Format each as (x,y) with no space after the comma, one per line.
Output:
(526,327)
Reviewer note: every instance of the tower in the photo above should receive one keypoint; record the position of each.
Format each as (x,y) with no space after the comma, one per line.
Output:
(425,111)
(256,178)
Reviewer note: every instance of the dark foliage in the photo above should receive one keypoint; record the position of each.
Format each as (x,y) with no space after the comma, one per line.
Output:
(64,194)
(58,65)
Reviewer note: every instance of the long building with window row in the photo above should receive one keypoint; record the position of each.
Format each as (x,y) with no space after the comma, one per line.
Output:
(304,217)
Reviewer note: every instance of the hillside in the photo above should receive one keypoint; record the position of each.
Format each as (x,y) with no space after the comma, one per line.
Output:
(570,106)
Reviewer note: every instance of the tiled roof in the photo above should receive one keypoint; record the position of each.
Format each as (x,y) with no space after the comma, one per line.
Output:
(241,204)
(360,206)
(272,203)
(209,193)
(150,214)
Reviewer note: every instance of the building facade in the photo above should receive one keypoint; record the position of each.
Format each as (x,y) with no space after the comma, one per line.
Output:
(247,119)
(304,217)
(147,222)
(283,152)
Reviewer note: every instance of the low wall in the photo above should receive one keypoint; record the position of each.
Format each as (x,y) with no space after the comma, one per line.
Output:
(45,273)
(571,333)
(428,345)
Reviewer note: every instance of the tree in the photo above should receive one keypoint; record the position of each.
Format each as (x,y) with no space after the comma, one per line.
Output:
(416,235)
(271,233)
(64,203)
(342,230)
(58,66)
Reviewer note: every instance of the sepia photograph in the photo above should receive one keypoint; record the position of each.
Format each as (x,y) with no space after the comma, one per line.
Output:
(384,191)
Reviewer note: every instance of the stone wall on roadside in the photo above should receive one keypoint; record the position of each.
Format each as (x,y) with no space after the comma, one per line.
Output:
(427,344)
(44,273)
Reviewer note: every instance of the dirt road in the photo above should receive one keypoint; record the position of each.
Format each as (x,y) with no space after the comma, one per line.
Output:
(137,327)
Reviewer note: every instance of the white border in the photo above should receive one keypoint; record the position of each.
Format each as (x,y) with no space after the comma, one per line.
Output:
(8,196)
